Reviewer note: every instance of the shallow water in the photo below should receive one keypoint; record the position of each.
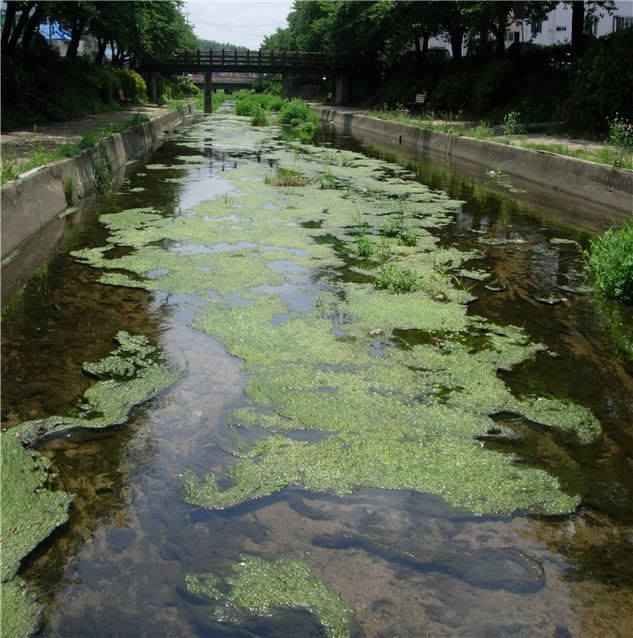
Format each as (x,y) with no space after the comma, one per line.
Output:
(406,563)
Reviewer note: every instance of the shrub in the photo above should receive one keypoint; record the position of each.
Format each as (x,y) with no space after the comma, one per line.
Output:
(397,280)
(610,260)
(295,112)
(132,84)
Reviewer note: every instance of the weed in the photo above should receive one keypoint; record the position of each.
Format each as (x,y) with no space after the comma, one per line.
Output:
(259,117)
(409,237)
(391,228)
(364,247)
(621,138)
(384,249)
(359,226)
(102,171)
(287,177)
(610,260)
(70,191)
(510,121)
(397,280)
(327,180)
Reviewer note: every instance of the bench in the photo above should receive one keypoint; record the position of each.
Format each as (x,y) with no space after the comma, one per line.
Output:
(418,103)
(123,99)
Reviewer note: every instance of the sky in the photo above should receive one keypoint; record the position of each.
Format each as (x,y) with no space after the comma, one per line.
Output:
(244,22)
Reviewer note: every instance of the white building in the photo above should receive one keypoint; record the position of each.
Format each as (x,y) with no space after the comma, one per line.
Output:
(556,28)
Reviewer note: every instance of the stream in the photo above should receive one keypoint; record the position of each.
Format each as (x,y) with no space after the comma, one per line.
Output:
(335,458)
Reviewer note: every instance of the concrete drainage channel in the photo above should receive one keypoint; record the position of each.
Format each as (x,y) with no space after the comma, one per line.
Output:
(590,181)
(38,196)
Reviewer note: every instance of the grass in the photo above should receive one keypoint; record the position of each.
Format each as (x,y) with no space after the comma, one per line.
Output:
(364,247)
(615,155)
(395,279)
(605,155)
(39,155)
(610,261)
(259,117)
(287,177)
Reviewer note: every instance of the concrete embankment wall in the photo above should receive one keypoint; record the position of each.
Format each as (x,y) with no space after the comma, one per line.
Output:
(38,196)
(597,183)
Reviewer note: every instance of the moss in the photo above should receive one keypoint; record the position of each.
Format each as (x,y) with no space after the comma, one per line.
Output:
(130,375)
(259,587)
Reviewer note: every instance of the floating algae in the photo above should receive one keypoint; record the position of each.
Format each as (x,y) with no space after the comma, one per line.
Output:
(394,417)
(130,375)
(30,513)
(259,587)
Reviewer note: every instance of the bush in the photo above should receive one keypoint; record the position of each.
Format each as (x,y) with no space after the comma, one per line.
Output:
(132,84)
(247,102)
(295,112)
(610,260)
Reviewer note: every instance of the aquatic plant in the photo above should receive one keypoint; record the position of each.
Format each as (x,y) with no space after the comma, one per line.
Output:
(396,279)
(286,177)
(259,117)
(399,412)
(610,261)
(364,247)
(70,191)
(259,587)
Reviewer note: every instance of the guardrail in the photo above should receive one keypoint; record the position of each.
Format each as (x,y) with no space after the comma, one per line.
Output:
(234,58)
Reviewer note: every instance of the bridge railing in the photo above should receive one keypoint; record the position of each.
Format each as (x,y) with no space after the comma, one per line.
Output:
(218,58)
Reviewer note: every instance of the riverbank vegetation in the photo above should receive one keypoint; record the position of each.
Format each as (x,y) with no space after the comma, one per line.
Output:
(384,47)
(610,260)
(39,84)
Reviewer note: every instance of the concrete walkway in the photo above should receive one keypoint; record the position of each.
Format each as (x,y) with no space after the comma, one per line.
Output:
(19,144)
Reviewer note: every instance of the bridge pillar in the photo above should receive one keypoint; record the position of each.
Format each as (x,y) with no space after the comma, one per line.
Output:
(285,86)
(341,95)
(153,86)
(208,93)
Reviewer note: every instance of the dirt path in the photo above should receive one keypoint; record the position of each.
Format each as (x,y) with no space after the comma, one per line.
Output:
(19,144)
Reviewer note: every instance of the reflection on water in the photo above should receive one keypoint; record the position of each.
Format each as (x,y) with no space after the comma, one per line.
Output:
(406,563)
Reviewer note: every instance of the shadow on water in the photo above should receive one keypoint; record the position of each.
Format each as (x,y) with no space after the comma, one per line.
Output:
(401,559)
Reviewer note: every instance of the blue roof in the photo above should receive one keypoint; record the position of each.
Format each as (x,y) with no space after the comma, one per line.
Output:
(53,31)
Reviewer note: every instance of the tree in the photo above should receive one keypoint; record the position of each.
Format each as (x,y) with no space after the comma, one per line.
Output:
(580,10)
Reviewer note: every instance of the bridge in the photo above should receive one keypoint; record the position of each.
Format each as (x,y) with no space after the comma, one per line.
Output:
(195,61)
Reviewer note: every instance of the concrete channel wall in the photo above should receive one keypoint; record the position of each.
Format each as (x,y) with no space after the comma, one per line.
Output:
(594,182)
(37,197)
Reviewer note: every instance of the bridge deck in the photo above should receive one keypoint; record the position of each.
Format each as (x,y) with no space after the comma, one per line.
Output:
(261,61)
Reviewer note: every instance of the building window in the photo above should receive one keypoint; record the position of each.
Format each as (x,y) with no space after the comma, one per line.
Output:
(561,28)
(591,25)
(512,36)
(537,27)
(622,22)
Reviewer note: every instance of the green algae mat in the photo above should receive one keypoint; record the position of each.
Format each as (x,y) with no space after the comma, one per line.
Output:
(31,510)
(258,587)
(400,382)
